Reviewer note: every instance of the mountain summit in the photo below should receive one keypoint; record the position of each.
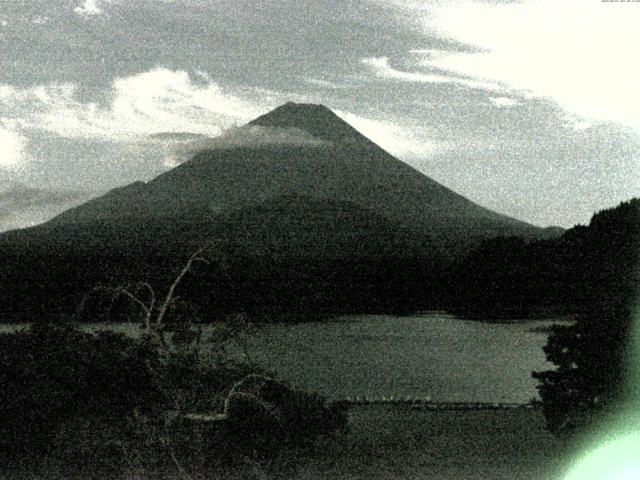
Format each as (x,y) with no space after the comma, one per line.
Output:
(317,120)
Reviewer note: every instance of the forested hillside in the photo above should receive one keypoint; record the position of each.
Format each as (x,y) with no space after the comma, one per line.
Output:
(509,277)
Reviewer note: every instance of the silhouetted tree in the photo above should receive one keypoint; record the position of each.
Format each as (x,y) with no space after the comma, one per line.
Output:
(591,358)
(593,355)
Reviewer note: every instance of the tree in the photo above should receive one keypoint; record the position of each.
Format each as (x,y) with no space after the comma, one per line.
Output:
(594,356)
(76,398)
(154,312)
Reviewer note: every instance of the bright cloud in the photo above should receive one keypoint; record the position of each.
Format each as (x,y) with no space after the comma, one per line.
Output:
(503,101)
(579,53)
(155,101)
(382,68)
(148,106)
(12,146)
(89,7)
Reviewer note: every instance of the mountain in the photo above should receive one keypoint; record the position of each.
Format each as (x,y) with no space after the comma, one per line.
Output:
(331,161)
(296,183)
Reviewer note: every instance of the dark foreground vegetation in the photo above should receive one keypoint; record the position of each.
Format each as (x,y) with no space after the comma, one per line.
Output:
(103,405)
(387,270)
(585,268)
(596,357)
(82,405)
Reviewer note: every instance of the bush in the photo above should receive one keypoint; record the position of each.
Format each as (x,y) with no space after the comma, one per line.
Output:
(51,374)
(102,403)
(593,356)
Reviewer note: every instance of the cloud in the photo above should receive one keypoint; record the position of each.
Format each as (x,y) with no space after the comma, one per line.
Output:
(22,206)
(12,147)
(255,135)
(324,84)
(383,69)
(404,141)
(180,147)
(154,101)
(88,8)
(504,101)
(579,53)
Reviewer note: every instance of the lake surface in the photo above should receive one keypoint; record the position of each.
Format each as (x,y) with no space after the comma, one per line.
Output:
(432,354)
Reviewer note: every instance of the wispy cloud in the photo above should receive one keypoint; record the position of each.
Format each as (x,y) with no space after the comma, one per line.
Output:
(180,147)
(325,84)
(383,69)
(159,100)
(255,135)
(88,8)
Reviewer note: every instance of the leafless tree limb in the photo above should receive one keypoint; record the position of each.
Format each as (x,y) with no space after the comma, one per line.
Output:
(170,294)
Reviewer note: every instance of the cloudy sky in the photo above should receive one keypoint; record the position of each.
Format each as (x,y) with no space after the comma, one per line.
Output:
(527,107)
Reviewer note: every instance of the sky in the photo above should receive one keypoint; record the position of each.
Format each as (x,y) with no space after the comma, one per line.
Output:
(527,107)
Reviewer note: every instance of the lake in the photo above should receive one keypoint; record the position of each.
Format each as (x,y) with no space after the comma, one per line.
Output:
(432,354)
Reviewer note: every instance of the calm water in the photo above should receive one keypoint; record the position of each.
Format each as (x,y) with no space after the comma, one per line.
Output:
(432,354)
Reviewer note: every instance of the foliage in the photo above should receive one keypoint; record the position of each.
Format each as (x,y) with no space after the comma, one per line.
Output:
(52,374)
(592,356)
(103,403)
(508,277)
(589,381)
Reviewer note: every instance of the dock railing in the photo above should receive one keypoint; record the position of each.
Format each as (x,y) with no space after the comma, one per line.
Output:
(427,404)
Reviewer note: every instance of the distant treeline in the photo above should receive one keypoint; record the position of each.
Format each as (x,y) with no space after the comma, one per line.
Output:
(502,278)
(294,289)
(507,277)
(51,282)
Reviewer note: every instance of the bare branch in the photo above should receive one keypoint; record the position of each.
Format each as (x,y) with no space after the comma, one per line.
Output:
(123,290)
(170,294)
(134,299)
(152,304)
(152,294)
